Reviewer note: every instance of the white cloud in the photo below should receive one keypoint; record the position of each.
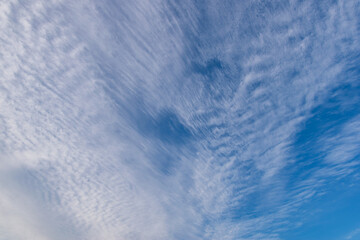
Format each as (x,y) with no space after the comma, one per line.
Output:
(73,73)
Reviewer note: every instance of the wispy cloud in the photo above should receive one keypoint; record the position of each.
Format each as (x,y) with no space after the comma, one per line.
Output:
(353,234)
(156,120)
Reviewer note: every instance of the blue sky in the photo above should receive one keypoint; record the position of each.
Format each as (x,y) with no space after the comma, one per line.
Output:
(231,120)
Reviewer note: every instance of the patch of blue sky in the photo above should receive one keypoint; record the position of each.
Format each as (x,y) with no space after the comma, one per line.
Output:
(327,120)
(332,216)
(330,213)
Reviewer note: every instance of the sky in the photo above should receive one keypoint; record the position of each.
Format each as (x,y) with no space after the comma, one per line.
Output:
(192,119)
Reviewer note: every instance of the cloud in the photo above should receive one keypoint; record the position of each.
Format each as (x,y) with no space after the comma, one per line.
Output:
(353,234)
(156,120)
